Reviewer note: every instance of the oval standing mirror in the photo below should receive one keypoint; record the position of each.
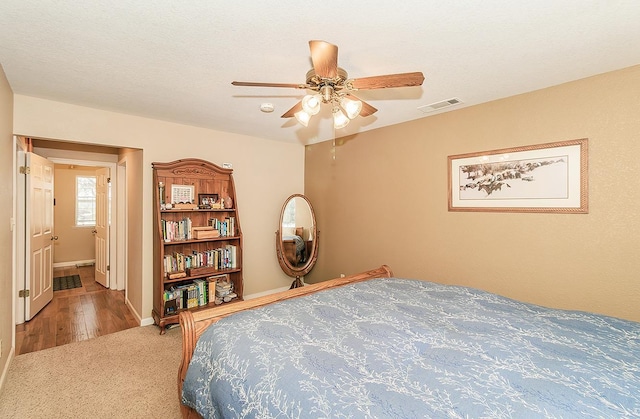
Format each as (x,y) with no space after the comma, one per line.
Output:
(297,238)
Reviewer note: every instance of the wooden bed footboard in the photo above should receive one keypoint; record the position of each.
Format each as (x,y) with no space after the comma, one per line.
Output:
(194,323)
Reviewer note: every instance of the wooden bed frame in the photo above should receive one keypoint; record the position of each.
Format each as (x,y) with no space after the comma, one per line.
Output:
(194,323)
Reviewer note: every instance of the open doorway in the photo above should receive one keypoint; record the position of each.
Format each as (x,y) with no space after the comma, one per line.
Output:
(85,225)
(95,310)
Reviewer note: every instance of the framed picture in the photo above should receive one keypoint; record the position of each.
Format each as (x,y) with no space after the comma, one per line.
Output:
(182,194)
(548,177)
(206,200)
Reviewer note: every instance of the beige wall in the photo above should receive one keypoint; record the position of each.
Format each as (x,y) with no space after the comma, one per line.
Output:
(384,200)
(265,174)
(134,163)
(74,243)
(6,214)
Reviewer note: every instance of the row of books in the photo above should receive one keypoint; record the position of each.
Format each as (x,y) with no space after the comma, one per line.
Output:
(184,296)
(226,227)
(200,292)
(176,230)
(183,229)
(220,258)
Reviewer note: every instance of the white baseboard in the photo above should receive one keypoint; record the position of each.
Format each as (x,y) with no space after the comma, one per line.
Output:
(5,370)
(147,321)
(133,311)
(74,263)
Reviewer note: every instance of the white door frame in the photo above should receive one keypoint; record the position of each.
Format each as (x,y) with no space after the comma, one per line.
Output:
(18,226)
(121,216)
(113,230)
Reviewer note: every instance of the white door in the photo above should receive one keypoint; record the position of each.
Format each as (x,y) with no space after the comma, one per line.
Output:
(39,229)
(102,226)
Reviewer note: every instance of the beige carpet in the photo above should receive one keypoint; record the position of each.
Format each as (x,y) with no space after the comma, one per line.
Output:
(129,374)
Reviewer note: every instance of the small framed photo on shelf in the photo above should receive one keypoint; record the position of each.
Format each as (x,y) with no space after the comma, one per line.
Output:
(182,194)
(207,200)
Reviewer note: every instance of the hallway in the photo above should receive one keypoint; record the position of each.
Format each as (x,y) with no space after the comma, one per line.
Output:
(75,315)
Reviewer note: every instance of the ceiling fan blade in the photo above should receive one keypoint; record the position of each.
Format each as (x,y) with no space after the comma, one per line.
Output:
(290,113)
(325,59)
(389,81)
(366,108)
(256,84)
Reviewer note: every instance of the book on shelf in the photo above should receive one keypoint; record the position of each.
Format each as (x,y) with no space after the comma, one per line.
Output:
(226,227)
(230,226)
(232,252)
(176,230)
(211,291)
(201,285)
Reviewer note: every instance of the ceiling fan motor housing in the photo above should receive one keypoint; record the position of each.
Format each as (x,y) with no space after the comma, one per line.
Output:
(314,80)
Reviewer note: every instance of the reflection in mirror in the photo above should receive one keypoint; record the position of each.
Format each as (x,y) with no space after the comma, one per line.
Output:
(297,239)
(296,231)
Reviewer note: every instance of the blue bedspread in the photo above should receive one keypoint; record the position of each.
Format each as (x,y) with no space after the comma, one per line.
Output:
(398,348)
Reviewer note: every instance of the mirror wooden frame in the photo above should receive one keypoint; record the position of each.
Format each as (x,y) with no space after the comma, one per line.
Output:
(287,267)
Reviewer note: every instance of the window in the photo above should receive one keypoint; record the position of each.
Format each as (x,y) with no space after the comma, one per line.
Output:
(85,201)
(289,215)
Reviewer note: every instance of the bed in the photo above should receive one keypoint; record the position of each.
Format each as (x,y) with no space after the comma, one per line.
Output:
(372,345)
(295,249)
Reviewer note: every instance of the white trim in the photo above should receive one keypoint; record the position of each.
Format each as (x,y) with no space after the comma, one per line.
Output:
(14,255)
(134,312)
(122,228)
(147,321)
(87,262)
(20,259)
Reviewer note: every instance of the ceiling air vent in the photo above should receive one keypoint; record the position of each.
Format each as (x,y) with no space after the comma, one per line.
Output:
(439,105)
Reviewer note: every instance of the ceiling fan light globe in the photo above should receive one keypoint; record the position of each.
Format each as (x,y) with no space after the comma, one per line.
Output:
(351,107)
(340,120)
(311,104)
(303,117)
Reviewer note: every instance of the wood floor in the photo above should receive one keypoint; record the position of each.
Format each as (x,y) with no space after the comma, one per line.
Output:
(76,314)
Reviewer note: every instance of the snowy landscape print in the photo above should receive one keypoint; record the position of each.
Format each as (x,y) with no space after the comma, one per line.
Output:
(540,178)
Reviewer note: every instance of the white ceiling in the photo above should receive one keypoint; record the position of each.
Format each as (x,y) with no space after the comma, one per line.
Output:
(175,60)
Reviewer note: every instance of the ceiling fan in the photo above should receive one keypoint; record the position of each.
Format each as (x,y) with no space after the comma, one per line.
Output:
(331,85)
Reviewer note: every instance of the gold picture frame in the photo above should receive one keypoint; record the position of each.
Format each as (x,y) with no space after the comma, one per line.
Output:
(548,178)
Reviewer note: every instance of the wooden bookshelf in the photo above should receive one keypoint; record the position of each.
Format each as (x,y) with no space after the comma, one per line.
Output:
(175,250)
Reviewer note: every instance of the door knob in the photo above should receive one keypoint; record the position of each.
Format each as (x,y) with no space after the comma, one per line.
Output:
(54,237)
(94,232)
